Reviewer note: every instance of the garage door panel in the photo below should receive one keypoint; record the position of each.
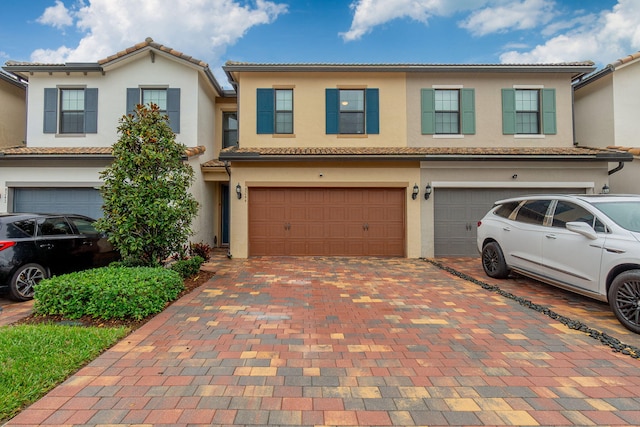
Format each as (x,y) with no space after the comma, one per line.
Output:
(80,200)
(328,221)
(458,210)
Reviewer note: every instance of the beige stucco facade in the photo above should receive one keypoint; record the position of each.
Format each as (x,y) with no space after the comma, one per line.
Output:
(311,158)
(13,112)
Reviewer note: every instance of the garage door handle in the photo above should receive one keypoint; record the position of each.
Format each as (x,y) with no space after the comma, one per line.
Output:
(365,226)
(287,226)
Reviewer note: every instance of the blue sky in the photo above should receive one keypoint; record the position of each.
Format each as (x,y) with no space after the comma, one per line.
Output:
(334,31)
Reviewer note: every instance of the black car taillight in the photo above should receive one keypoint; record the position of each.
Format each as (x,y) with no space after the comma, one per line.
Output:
(4,244)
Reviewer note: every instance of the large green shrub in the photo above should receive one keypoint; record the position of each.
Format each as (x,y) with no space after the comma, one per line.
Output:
(108,293)
(148,208)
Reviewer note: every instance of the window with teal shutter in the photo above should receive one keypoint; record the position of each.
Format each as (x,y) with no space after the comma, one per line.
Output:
(265,106)
(529,111)
(352,111)
(70,110)
(447,111)
(50,110)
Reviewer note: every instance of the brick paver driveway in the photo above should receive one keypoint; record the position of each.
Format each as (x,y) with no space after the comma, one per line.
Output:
(338,341)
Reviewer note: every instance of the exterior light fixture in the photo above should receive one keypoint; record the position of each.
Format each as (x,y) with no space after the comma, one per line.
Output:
(239,191)
(416,190)
(427,192)
(605,189)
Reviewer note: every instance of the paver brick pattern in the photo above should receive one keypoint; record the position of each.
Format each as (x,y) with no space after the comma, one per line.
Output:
(340,342)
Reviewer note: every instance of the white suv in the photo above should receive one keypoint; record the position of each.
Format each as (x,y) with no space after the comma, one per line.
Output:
(588,244)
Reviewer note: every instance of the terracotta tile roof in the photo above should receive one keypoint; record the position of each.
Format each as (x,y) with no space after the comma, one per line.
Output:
(425,153)
(215,163)
(75,151)
(633,150)
(148,42)
(625,60)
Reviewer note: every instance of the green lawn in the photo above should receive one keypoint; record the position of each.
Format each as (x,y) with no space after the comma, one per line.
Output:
(35,358)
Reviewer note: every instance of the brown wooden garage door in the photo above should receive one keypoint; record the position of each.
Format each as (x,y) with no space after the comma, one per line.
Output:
(327,221)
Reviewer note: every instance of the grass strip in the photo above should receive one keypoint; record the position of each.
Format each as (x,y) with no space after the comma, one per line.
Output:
(36,358)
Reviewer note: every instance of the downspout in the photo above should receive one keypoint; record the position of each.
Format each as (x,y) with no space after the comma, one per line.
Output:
(617,169)
(226,167)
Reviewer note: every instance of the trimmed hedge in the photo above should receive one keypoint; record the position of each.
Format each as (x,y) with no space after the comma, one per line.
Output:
(188,267)
(108,293)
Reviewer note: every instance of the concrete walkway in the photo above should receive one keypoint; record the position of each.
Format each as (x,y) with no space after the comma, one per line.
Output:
(341,341)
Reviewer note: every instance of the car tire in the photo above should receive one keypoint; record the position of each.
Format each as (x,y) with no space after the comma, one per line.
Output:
(493,261)
(22,285)
(624,299)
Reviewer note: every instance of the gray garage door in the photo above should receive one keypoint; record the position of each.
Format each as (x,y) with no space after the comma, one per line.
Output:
(83,201)
(457,211)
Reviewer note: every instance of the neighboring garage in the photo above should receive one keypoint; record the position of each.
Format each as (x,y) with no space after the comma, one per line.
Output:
(78,200)
(458,210)
(327,221)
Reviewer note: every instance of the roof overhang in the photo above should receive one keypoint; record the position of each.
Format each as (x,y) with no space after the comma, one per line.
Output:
(424,154)
(73,153)
(575,69)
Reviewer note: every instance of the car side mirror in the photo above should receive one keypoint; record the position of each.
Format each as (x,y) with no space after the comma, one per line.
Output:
(582,228)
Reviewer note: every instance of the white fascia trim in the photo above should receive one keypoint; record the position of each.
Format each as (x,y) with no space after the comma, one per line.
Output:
(448,136)
(502,184)
(528,86)
(447,86)
(53,184)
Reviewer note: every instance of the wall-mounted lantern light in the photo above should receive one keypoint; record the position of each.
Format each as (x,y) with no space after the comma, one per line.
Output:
(427,192)
(416,190)
(605,189)
(239,191)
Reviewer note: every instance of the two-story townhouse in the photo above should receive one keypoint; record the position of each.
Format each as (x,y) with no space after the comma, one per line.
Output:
(607,105)
(13,110)
(396,160)
(73,114)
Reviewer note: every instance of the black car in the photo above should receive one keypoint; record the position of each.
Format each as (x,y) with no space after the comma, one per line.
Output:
(37,246)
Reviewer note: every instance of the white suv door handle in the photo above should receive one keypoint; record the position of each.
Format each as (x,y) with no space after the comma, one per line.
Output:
(550,236)
(506,228)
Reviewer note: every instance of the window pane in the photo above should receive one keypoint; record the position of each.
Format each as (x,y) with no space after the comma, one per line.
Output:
(446,100)
(72,122)
(526,100)
(533,212)
(447,123)
(568,212)
(351,100)
(155,96)
(352,123)
(72,99)
(230,129)
(284,122)
(527,123)
(284,100)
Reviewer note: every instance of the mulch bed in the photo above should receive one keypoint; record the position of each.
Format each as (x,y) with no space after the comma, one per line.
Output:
(190,284)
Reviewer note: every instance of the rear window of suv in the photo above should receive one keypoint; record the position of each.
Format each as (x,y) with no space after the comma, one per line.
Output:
(533,212)
(18,229)
(505,209)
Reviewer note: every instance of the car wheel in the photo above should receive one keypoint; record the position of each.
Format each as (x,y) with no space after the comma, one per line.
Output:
(493,261)
(24,280)
(624,299)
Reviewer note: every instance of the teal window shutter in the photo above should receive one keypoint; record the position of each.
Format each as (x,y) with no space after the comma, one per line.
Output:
(265,114)
(428,111)
(331,106)
(133,99)
(549,111)
(372,99)
(50,110)
(509,111)
(468,111)
(91,110)
(173,108)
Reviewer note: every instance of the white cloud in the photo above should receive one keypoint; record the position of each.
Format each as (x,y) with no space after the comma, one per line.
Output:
(613,34)
(57,16)
(208,27)
(371,13)
(519,15)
